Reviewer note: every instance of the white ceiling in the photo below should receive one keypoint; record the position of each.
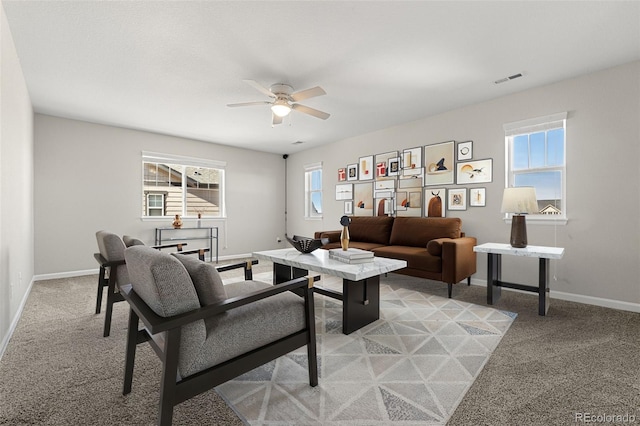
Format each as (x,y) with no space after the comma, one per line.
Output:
(171,67)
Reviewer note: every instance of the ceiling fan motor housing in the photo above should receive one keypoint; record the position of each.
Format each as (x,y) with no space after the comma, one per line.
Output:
(282,90)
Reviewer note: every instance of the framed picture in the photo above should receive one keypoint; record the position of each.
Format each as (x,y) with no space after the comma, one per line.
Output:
(394,167)
(434,202)
(477,171)
(384,206)
(365,168)
(363,199)
(342,174)
(439,163)
(383,165)
(411,203)
(352,172)
(465,150)
(348,207)
(402,198)
(411,161)
(384,188)
(477,197)
(344,191)
(457,199)
(415,180)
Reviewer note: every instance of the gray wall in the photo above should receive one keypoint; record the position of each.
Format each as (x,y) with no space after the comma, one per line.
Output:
(16,185)
(602,260)
(88,177)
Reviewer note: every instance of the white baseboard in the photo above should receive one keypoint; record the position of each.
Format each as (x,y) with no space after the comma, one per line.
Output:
(81,273)
(14,321)
(578,298)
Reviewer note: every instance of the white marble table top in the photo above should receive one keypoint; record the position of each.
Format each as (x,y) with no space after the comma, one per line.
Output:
(528,251)
(318,261)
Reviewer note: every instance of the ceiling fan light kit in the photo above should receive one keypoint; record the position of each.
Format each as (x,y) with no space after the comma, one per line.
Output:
(281,108)
(284,100)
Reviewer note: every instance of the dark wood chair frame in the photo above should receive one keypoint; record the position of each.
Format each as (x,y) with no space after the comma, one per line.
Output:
(114,296)
(173,393)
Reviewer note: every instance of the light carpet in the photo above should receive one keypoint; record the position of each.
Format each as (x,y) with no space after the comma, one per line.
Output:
(411,367)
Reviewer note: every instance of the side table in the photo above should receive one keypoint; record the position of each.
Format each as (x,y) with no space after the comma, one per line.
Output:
(494,270)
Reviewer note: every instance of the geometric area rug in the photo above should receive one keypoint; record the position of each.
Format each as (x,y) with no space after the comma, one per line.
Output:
(411,367)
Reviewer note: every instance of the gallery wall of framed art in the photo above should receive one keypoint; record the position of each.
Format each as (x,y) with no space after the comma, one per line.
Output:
(417,181)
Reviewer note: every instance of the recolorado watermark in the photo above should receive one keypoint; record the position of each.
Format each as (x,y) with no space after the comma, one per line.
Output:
(626,418)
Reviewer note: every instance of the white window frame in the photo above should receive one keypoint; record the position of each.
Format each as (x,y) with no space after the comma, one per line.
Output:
(533,125)
(308,203)
(149,208)
(154,157)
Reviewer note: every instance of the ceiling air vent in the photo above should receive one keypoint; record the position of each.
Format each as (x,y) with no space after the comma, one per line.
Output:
(511,77)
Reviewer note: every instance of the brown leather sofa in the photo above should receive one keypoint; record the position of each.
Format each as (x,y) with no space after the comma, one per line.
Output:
(434,248)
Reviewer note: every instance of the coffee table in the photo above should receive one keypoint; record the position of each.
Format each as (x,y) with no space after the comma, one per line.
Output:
(360,282)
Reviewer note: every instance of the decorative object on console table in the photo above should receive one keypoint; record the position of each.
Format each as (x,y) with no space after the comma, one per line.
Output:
(177,222)
(344,235)
(519,201)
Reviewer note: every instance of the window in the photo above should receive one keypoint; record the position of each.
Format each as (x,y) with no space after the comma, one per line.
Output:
(536,156)
(186,186)
(155,204)
(313,190)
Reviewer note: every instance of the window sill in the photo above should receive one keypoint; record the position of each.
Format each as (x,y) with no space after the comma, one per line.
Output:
(313,218)
(184,219)
(542,220)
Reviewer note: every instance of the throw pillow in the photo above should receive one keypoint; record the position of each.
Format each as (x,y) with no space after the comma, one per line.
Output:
(206,279)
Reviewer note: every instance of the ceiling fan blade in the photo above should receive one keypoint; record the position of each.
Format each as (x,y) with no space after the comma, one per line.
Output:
(308,93)
(276,119)
(259,88)
(311,111)
(243,104)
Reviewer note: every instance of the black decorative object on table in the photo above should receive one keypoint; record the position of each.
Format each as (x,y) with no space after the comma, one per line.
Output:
(344,235)
(306,245)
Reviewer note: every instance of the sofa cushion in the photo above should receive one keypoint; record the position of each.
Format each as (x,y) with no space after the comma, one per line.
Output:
(416,257)
(376,229)
(206,279)
(418,231)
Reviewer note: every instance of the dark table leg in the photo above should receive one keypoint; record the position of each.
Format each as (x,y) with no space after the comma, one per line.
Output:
(360,299)
(360,303)
(494,275)
(543,287)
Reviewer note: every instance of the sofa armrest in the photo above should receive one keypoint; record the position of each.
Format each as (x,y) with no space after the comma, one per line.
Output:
(333,236)
(458,259)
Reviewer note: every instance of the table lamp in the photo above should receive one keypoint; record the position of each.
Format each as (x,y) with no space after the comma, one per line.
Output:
(519,201)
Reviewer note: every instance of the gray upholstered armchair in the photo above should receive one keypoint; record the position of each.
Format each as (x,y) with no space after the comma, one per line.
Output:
(113,273)
(206,333)
(131,241)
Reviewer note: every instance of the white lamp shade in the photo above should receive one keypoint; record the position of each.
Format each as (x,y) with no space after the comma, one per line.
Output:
(281,108)
(519,200)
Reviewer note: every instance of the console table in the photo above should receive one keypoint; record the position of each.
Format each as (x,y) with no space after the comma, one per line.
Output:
(494,270)
(204,233)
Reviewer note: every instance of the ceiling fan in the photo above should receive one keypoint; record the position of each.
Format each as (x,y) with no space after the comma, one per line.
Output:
(284,100)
